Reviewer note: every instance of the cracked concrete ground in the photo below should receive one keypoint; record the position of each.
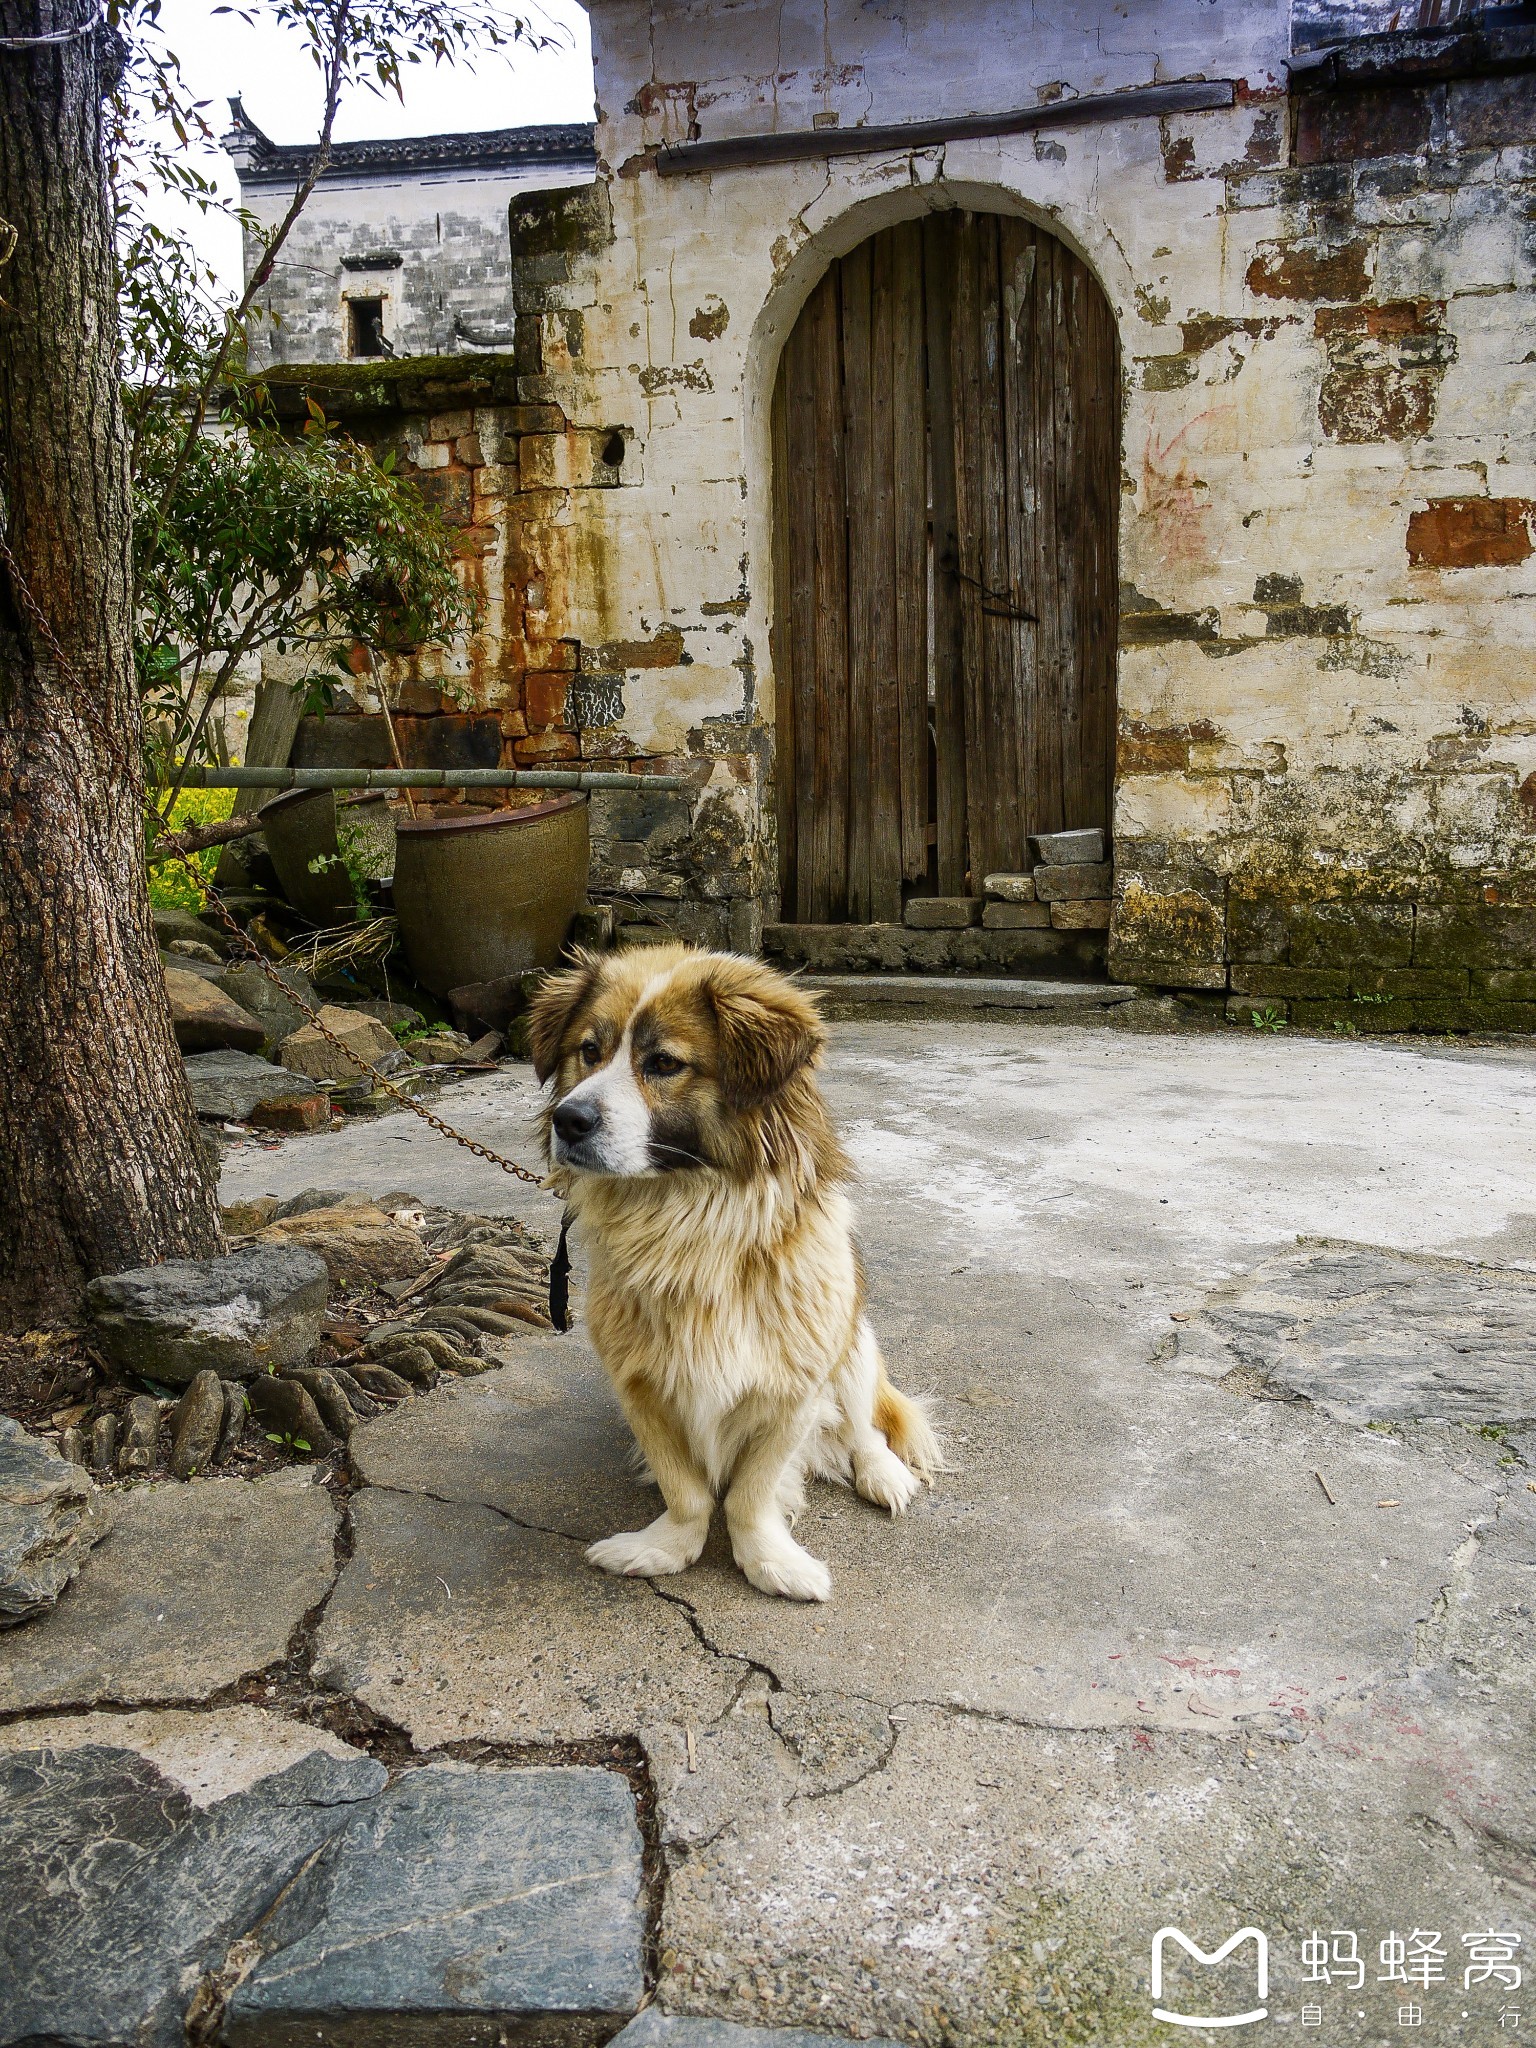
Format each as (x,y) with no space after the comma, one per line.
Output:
(1221,1618)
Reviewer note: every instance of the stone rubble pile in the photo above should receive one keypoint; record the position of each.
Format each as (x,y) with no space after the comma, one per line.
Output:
(254,1059)
(329,1308)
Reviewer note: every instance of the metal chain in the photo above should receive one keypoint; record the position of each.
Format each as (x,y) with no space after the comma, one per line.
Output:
(253,952)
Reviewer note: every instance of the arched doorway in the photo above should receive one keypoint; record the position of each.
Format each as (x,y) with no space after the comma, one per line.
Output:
(946,442)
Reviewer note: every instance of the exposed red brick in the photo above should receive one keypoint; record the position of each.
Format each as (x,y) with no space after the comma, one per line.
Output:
(1385,363)
(1471,533)
(545,746)
(613,657)
(293,1113)
(1153,750)
(1390,318)
(1525,803)
(1301,270)
(1388,121)
(1178,158)
(1204,330)
(544,699)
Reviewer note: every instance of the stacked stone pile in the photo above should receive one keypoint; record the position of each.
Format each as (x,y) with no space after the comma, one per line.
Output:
(1069,889)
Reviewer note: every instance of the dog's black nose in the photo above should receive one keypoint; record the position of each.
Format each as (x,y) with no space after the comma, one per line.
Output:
(574,1121)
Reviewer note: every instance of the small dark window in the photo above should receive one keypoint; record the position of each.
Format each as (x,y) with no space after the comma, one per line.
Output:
(365,318)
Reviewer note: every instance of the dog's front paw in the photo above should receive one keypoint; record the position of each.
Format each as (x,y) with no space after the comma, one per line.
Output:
(785,1568)
(650,1553)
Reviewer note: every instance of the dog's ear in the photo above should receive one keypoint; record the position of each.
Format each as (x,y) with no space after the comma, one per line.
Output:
(551,1011)
(768,1030)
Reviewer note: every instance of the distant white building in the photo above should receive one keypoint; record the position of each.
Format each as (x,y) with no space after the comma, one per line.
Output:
(403,248)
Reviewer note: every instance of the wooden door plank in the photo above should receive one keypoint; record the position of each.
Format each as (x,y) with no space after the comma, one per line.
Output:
(1102,596)
(864,574)
(968,336)
(800,433)
(1066,342)
(829,884)
(997,730)
(910,551)
(781,642)
(942,241)
(885,718)
(1020,339)
(1046,752)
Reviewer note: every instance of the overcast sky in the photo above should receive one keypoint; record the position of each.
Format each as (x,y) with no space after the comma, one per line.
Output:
(221,55)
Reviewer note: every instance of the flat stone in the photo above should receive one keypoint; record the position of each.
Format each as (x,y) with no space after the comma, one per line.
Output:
(968,992)
(122,1887)
(48,1521)
(207,1753)
(203,1017)
(1013,917)
(199,1424)
(228,1085)
(1010,888)
(200,1584)
(1070,883)
(248,985)
(1081,917)
(541,1437)
(361,1246)
(1061,849)
(610,1655)
(1369,1335)
(460,1895)
(656,2029)
(258,1307)
(309,1051)
(941,913)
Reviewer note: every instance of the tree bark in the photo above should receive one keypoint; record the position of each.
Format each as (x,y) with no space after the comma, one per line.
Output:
(101,1163)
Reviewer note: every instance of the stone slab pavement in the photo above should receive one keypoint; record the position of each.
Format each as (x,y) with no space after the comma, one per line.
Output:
(1221,1618)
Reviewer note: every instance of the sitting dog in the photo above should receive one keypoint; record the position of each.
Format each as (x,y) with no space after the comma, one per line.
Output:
(725,1296)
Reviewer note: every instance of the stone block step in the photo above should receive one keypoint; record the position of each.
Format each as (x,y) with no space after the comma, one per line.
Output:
(455,1905)
(900,949)
(965,992)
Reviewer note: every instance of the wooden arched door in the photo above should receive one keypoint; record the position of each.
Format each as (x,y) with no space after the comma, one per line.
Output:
(946,440)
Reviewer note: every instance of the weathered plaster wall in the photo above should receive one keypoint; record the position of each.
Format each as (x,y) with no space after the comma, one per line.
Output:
(1327,767)
(433,246)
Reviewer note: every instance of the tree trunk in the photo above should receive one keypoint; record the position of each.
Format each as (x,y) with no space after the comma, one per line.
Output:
(101,1165)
